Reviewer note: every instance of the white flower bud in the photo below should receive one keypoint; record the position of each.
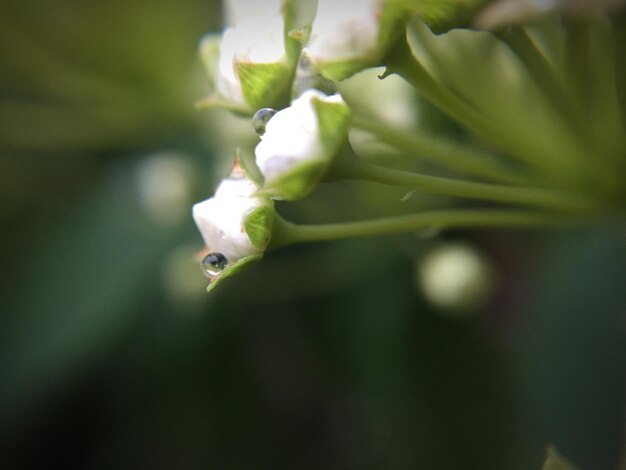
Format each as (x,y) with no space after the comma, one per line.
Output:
(222,218)
(253,40)
(250,68)
(291,136)
(296,139)
(350,35)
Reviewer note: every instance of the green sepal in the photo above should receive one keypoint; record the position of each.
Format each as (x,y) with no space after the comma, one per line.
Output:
(258,225)
(264,85)
(296,183)
(393,20)
(333,120)
(232,269)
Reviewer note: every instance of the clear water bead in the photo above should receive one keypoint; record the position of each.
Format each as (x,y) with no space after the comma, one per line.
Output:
(214,263)
(261,118)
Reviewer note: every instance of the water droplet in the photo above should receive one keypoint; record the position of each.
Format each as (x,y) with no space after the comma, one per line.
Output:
(261,118)
(214,263)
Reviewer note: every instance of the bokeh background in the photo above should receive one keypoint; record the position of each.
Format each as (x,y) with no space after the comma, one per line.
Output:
(322,356)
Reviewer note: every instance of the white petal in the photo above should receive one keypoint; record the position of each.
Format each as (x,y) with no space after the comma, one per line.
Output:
(220,222)
(236,187)
(227,82)
(238,10)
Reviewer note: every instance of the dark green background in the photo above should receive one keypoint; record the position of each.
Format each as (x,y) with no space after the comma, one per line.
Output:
(322,356)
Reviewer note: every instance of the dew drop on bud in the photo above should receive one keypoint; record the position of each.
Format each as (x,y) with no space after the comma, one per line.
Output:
(261,118)
(214,263)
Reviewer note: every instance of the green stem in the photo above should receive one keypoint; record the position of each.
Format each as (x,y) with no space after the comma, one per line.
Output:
(606,124)
(590,84)
(577,61)
(544,75)
(439,151)
(549,162)
(575,95)
(287,233)
(402,62)
(352,168)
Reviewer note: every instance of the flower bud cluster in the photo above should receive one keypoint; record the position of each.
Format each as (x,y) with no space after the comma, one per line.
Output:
(254,65)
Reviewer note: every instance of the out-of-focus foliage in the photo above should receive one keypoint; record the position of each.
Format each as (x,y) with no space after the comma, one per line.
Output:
(445,14)
(90,75)
(111,354)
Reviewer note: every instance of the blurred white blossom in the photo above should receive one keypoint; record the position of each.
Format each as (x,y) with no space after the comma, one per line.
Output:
(164,184)
(455,278)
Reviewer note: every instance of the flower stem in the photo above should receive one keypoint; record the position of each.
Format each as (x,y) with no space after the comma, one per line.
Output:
(577,55)
(353,168)
(287,233)
(402,62)
(549,162)
(544,75)
(439,151)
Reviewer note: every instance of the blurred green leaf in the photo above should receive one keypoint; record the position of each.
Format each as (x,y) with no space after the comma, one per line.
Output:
(80,285)
(572,353)
(83,76)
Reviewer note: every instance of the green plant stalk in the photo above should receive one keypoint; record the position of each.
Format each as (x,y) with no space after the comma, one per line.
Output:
(440,151)
(353,168)
(605,117)
(287,233)
(402,62)
(577,54)
(588,104)
(544,75)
